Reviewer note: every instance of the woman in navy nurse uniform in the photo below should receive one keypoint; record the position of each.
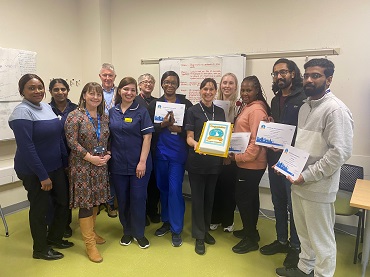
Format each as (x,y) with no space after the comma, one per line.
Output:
(131,164)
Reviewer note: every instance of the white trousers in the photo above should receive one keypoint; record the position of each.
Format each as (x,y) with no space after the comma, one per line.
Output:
(314,222)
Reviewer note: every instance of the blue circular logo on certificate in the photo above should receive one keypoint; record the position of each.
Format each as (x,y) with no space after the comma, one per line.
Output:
(216,133)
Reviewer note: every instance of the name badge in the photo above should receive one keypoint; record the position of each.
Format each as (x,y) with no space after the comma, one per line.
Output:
(128,119)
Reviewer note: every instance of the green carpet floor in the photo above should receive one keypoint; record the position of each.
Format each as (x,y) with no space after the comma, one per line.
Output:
(160,259)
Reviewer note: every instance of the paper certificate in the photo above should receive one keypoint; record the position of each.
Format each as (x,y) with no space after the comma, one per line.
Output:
(275,135)
(292,161)
(224,104)
(239,142)
(162,108)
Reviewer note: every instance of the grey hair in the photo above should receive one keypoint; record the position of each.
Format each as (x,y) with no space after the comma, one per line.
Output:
(143,76)
(108,66)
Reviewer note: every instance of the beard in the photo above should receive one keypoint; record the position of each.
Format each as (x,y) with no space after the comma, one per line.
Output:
(282,83)
(311,90)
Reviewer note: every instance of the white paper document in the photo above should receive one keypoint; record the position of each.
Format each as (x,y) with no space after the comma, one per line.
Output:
(162,108)
(239,142)
(275,135)
(224,104)
(292,161)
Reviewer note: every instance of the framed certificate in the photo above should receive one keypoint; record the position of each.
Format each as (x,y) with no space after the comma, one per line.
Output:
(215,138)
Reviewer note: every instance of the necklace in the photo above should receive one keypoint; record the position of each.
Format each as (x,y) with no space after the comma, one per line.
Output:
(205,114)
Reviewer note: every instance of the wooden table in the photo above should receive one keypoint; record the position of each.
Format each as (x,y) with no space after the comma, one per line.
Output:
(361,199)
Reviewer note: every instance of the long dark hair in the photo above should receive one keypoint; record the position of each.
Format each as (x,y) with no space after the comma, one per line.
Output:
(124,82)
(260,93)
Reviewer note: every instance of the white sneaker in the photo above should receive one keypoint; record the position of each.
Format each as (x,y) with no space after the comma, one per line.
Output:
(213,226)
(229,229)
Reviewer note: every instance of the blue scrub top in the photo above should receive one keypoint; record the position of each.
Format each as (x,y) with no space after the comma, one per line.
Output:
(126,132)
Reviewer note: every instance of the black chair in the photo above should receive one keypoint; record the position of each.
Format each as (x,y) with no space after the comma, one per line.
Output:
(4,221)
(348,177)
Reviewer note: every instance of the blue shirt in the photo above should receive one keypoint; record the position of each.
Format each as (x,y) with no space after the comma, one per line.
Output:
(126,131)
(38,134)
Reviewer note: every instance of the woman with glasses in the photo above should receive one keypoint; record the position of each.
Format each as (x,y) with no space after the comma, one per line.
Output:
(224,202)
(170,154)
(61,106)
(39,162)
(87,135)
(251,164)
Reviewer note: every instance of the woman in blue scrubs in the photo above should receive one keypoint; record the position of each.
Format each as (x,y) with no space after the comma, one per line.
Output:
(131,164)
(170,154)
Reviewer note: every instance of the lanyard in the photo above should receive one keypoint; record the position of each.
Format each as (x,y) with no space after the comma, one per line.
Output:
(97,130)
(147,100)
(213,111)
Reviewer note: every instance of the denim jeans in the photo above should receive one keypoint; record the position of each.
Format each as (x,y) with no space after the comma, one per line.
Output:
(282,201)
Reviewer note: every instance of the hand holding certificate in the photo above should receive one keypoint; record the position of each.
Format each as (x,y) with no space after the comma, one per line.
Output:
(275,135)
(291,162)
(163,108)
(239,142)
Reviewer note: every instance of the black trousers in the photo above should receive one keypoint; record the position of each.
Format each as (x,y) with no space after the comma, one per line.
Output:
(202,195)
(224,202)
(39,202)
(153,196)
(247,198)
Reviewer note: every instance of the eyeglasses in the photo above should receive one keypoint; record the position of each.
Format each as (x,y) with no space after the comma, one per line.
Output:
(59,89)
(312,76)
(168,83)
(282,73)
(146,82)
(111,76)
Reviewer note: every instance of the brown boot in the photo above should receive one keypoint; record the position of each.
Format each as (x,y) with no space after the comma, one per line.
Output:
(87,230)
(98,239)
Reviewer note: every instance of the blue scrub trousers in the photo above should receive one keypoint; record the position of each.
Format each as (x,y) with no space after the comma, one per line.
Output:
(170,175)
(131,195)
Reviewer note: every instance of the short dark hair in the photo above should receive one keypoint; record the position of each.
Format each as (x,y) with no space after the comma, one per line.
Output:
(324,63)
(25,78)
(124,82)
(208,80)
(60,81)
(170,73)
(297,81)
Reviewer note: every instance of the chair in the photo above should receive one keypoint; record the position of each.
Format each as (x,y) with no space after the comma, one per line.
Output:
(348,177)
(4,221)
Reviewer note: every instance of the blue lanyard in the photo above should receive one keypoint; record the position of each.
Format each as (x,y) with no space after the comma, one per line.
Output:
(97,130)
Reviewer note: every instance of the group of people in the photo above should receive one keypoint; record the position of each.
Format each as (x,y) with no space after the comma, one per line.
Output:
(109,147)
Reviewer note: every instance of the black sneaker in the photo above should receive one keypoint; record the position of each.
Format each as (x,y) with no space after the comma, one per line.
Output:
(200,248)
(142,242)
(292,272)
(61,244)
(274,248)
(126,240)
(244,246)
(209,239)
(176,240)
(292,258)
(163,230)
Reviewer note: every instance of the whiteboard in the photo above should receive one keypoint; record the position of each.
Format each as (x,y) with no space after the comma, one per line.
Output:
(14,63)
(194,69)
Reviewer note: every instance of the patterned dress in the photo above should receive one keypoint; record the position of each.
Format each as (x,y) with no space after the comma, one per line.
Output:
(89,184)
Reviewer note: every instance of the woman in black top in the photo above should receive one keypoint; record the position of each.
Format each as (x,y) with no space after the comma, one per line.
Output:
(203,169)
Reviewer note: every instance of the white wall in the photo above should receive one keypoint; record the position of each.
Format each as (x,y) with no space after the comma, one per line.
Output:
(74,37)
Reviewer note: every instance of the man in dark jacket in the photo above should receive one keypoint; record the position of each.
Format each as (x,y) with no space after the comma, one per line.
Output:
(289,96)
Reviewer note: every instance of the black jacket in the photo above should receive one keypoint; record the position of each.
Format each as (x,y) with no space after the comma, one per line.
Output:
(287,115)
